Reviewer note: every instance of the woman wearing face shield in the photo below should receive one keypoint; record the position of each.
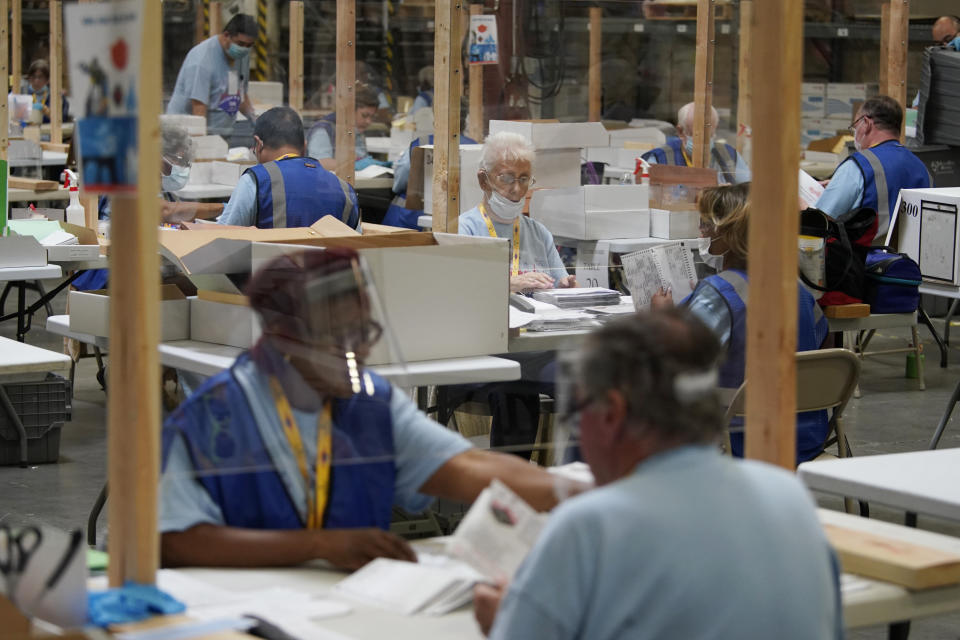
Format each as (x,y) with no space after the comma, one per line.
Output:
(298,452)
(720,301)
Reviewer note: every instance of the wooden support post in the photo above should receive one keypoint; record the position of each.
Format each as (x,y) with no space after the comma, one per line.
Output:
(346,141)
(16,44)
(884,45)
(91,202)
(446,121)
(477,125)
(200,23)
(295,84)
(216,18)
(744,88)
(133,404)
(594,73)
(896,62)
(4,118)
(703,84)
(771,421)
(56,75)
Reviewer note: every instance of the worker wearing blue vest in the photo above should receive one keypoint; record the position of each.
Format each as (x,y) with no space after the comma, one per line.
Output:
(287,189)
(424,90)
(322,138)
(678,151)
(874,175)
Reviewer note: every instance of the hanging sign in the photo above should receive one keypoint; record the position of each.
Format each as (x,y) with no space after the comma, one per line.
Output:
(103,42)
(482,47)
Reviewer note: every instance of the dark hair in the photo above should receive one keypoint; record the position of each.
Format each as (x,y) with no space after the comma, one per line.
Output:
(886,113)
(241,23)
(662,363)
(365,96)
(280,127)
(40,65)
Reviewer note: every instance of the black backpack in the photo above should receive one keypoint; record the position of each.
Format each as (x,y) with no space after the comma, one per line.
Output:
(847,240)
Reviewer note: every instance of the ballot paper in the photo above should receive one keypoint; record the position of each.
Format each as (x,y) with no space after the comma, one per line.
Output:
(492,540)
(578,297)
(810,190)
(666,266)
(59,237)
(374,171)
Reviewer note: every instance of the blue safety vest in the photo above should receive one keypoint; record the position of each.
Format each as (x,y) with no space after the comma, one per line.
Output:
(296,192)
(234,466)
(887,168)
(327,123)
(397,214)
(812,426)
(427,97)
(724,157)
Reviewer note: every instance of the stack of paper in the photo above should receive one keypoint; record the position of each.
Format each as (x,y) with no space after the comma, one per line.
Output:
(578,298)
(59,237)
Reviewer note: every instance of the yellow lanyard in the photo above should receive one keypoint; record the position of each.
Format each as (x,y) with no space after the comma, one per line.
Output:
(686,158)
(316,505)
(515,268)
(285,156)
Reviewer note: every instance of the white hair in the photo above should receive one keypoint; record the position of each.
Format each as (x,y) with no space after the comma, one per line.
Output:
(505,146)
(685,118)
(175,140)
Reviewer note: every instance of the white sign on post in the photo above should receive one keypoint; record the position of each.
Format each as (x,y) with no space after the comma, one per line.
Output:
(593,264)
(104,48)
(482,47)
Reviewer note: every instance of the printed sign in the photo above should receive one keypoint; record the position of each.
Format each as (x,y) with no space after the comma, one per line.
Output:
(103,41)
(482,47)
(593,264)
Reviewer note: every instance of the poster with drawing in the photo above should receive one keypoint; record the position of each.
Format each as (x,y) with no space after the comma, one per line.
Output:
(103,43)
(482,46)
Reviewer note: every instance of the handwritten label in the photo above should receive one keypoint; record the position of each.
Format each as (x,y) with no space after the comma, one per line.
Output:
(593,264)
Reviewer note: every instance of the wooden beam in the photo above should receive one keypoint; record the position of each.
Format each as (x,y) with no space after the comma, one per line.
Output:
(56,75)
(898,34)
(446,121)
(295,84)
(703,84)
(777,70)
(133,404)
(4,118)
(884,45)
(744,88)
(346,98)
(477,125)
(200,23)
(16,44)
(216,18)
(594,74)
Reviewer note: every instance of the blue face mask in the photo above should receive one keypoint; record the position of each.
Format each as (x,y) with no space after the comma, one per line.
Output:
(688,145)
(178,178)
(237,52)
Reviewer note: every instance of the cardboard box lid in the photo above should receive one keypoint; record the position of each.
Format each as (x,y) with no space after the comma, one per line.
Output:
(167,292)
(83,234)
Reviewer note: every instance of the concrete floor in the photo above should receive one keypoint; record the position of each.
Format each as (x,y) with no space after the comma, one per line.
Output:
(891,416)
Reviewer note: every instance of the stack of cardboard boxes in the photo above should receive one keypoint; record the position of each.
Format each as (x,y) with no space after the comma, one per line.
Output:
(829,108)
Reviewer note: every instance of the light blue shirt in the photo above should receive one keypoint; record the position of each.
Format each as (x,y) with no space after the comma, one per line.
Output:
(401,172)
(692,545)
(241,209)
(320,146)
(205,77)
(538,251)
(419,103)
(844,192)
(421,447)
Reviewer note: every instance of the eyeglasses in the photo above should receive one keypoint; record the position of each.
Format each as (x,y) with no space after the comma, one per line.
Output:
(507,180)
(571,417)
(367,333)
(853,127)
(178,160)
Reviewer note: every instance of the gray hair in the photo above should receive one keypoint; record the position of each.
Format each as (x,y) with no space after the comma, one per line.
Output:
(685,118)
(665,365)
(175,141)
(505,146)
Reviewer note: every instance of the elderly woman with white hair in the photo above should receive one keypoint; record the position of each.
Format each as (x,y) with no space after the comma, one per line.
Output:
(505,175)
(678,151)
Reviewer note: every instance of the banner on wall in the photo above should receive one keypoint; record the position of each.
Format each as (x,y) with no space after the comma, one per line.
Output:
(103,43)
(482,46)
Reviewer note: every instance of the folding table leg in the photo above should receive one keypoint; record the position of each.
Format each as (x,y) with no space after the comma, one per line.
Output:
(951,403)
(946,320)
(925,319)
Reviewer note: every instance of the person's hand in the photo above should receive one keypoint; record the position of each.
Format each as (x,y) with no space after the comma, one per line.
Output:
(662,299)
(530,280)
(486,601)
(170,211)
(353,548)
(567,282)
(824,183)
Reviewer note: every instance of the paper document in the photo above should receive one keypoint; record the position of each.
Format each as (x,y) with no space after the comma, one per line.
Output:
(373,171)
(60,237)
(667,266)
(810,190)
(578,297)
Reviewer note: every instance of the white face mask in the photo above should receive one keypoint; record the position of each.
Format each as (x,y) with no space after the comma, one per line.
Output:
(177,179)
(503,207)
(712,261)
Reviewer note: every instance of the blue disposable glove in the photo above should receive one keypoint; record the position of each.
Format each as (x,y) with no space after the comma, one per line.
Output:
(363,163)
(130,603)
(954,44)
(383,163)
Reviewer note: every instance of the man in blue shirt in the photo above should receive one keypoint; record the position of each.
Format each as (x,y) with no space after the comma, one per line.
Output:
(677,541)
(214,76)
(874,175)
(287,189)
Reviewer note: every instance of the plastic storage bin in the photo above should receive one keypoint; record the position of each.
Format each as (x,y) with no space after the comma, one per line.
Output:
(42,408)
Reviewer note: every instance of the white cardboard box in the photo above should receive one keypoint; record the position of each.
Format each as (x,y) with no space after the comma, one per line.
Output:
(430,311)
(67,252)
(674,225)
(594,212)
(265,93)
(200,173)
(195,125)
(227,173)
(21,251)
(90,313)
(929,224)
(221,323)
(841,98)
(651,135)
(813,100)
(556,135)
(209,147)
(556,168)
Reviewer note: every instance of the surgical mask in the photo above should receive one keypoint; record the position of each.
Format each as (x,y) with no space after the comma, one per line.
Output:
(688,145)
(237,52)
(504,208)
(177,179)
(712,261)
